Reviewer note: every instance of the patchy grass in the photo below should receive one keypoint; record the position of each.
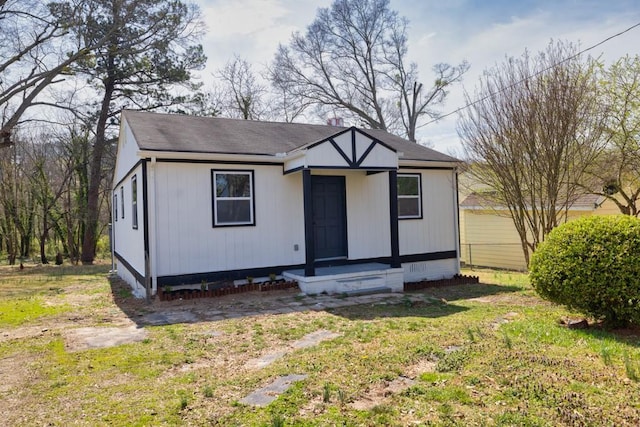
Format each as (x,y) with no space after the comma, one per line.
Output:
(489,354)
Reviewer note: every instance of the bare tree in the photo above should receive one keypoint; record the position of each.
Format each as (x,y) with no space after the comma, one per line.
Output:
(532,134)
(36,51)
(242,95)
(616,176)
(352,58)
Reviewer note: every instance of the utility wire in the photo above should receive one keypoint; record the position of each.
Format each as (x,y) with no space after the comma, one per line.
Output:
(464,107)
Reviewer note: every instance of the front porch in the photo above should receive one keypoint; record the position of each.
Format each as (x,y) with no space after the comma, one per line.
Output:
(349,279)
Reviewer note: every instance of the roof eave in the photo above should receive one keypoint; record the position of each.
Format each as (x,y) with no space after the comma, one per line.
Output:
(427,163)
(189,156)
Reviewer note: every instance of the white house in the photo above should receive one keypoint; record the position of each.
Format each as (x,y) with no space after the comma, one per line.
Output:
(337,209)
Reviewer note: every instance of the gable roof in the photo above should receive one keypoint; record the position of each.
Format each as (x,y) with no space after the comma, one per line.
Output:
(484,201)
(193,134)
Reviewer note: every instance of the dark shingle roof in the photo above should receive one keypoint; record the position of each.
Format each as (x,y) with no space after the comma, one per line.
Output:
(484,200)
(179,133)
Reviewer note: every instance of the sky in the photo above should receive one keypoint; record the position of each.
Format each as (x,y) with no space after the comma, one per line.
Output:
(483,32)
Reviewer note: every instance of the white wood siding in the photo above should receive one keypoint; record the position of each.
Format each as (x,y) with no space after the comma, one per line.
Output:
(188,243)
(129,242)
(368,215)
(380,156)
(127,153)
(430,270)
(437,230)
(325,154)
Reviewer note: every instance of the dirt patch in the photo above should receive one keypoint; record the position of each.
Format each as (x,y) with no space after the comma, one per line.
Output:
(88,338)
(13,372)
(509,299)
(378,394)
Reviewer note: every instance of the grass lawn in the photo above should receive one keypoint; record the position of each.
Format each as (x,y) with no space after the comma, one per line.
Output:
(488,354)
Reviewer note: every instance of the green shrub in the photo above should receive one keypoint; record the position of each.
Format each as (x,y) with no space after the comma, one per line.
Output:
(592,265)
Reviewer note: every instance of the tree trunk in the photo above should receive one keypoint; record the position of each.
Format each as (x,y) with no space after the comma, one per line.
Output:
(95,179)
(43,237)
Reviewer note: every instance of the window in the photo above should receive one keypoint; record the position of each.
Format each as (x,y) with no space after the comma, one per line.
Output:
(115,207)
(134,201)
(122,201)
(409,196)
(233,202)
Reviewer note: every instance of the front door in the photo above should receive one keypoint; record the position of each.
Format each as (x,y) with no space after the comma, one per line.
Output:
(329,216)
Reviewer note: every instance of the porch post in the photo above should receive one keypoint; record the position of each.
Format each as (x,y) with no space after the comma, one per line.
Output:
(393,217)
(309,241)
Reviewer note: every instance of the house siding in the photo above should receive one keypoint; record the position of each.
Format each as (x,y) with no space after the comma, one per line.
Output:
(368,215)
(193,246)
(436,232)
(128,243)
(127,153)
(187,242)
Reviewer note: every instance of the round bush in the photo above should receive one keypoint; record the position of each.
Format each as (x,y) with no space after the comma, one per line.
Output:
(592,265)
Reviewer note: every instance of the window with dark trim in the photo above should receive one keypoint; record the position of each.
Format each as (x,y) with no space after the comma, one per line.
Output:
(115,207)
(409,196)
(134,201)
(233,197)
(122,201)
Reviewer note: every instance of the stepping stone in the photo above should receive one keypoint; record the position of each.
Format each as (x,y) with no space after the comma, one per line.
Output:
(88,338)
(314,338)
(169,318)
(269,393)
(264,361)
(309,340)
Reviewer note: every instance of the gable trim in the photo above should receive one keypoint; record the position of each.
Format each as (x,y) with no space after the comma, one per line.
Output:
(342,153)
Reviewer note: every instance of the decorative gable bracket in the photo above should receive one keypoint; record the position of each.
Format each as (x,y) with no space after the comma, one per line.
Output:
(347,149)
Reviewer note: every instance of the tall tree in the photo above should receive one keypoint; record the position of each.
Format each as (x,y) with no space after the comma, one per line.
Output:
(352,58)
(35,52)
(151,47)
(532,133)
(617,174)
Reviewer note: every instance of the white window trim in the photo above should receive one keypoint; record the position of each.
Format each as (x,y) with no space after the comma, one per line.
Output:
(134,202)
(418,196)
(251,198)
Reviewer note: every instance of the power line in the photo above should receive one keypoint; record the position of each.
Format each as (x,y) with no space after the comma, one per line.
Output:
(464,107)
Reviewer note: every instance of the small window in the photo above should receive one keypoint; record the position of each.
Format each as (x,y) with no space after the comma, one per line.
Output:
(134,201)
(122,201)
(409,196)
(115,207)
(233,198)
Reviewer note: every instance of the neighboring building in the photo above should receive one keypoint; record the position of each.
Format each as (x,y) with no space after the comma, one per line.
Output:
(488,237)
(338,209)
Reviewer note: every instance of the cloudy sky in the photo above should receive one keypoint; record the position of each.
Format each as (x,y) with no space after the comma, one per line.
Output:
(481,31)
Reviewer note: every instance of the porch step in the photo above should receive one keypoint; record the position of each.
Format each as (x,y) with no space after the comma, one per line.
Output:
(358,283)
(369,291)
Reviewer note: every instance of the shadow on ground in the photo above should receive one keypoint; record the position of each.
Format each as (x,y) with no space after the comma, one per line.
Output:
(429,303)
(432,302)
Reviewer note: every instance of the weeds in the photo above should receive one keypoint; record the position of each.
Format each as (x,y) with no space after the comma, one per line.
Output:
(208,391)
(631,368)
(606,353)
(326,393)
(506,340)
(277,420)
